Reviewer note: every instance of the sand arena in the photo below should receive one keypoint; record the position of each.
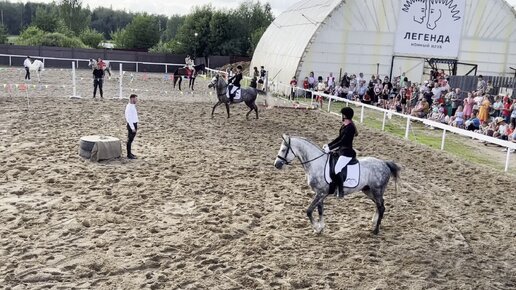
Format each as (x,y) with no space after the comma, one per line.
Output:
(204,208)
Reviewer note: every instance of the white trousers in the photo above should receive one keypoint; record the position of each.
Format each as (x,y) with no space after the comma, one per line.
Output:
(341,163)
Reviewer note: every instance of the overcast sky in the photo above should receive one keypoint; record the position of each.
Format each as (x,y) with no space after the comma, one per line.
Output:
(171,7)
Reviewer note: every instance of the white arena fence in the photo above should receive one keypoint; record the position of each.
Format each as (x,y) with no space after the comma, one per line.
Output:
(279,89)
(137,64)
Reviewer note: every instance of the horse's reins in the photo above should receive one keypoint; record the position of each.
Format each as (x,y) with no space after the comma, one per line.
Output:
(289,148)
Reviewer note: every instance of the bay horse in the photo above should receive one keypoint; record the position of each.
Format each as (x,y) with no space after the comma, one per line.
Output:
(247,95)
(372,181)
(183,71)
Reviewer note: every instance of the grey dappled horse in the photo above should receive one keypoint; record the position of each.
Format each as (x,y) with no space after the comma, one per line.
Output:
(247,95)
(182,71)
(93,65)
(374,177)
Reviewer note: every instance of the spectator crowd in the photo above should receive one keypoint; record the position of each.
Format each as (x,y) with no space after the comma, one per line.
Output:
(479,110)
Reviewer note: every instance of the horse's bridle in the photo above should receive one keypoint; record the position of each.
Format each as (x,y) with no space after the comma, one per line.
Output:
(289,148)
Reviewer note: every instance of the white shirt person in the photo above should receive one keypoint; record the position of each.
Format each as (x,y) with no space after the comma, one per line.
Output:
(131,117)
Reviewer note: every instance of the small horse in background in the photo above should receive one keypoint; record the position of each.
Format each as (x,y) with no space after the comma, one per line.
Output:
(372,180)
(107,66)
(183,71)
(247,95)
(37,66)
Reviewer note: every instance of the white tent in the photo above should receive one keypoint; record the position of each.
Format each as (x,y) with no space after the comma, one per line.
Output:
(388,36)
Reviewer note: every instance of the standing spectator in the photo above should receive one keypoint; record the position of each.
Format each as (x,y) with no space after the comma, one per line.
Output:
(345,81)
(293,85)
(360,78)
(456,100)
(498,106)
(481,84)
(306,86)
(263,73)
(98,81)
(469,102)
(513,113)
(311,80)
(321,87)
(27,63)
(330,80)
(256,73)
(131,117)
(506,110)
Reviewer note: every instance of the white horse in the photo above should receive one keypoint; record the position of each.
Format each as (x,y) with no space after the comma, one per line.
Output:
(372,180)
(37,66)
(93,64)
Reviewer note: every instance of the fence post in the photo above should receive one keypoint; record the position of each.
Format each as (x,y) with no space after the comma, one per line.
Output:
(136,66)
(120,81)
(444,137)
(507,159)
(10,61)
(166,68)
(407,129)
(383,123)
(329,104)
(362,115)
(74,88)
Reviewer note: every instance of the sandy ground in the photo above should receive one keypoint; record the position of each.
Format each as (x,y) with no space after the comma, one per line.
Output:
(204,208)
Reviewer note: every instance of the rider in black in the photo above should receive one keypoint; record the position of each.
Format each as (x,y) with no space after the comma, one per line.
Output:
(344,145)
(234,83)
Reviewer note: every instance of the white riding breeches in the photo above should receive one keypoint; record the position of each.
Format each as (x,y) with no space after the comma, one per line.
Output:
(343,161)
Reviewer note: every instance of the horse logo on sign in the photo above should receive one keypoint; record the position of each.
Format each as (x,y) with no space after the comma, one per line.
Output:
(431,12)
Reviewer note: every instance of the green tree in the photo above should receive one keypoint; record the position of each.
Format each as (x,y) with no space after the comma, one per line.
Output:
(194,35)
(173,25)
(46,19)
(30,36)
(142,32)
(255,38)
(91,37)
(118,37)
(106,20)
(3,34)
(74,16)
(61,40)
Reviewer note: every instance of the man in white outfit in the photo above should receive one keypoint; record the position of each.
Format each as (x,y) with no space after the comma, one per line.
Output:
(131,117)
(27,63)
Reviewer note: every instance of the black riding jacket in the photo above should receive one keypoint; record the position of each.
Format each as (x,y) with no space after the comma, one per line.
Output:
(344,142)
(98,73)
(235,80)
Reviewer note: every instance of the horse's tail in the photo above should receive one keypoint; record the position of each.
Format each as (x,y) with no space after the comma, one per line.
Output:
(395,172)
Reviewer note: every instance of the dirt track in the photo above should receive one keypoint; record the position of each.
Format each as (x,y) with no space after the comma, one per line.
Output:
(204,208)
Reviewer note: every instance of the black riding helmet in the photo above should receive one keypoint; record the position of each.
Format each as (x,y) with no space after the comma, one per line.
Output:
(347,113)
(239,67)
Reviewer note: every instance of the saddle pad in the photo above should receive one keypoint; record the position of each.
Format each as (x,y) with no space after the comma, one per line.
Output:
(237,94)
(352,178)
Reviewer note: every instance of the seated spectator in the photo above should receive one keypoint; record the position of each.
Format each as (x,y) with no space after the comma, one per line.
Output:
(421,109)
(497,106)
(458,119)
(501,131)
(473,123)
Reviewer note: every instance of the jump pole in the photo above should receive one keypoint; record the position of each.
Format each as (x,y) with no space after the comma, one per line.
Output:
(120,81)
(74,86)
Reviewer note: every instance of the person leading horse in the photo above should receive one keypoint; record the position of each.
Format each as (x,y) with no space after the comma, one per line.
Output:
(343,144)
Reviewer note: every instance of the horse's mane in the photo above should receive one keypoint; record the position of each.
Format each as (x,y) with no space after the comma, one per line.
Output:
(307,140)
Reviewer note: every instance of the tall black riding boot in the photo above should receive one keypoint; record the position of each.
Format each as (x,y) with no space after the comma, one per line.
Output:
(340,179)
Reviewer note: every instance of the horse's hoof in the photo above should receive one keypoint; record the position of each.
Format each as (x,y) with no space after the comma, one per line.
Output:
(376,231)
